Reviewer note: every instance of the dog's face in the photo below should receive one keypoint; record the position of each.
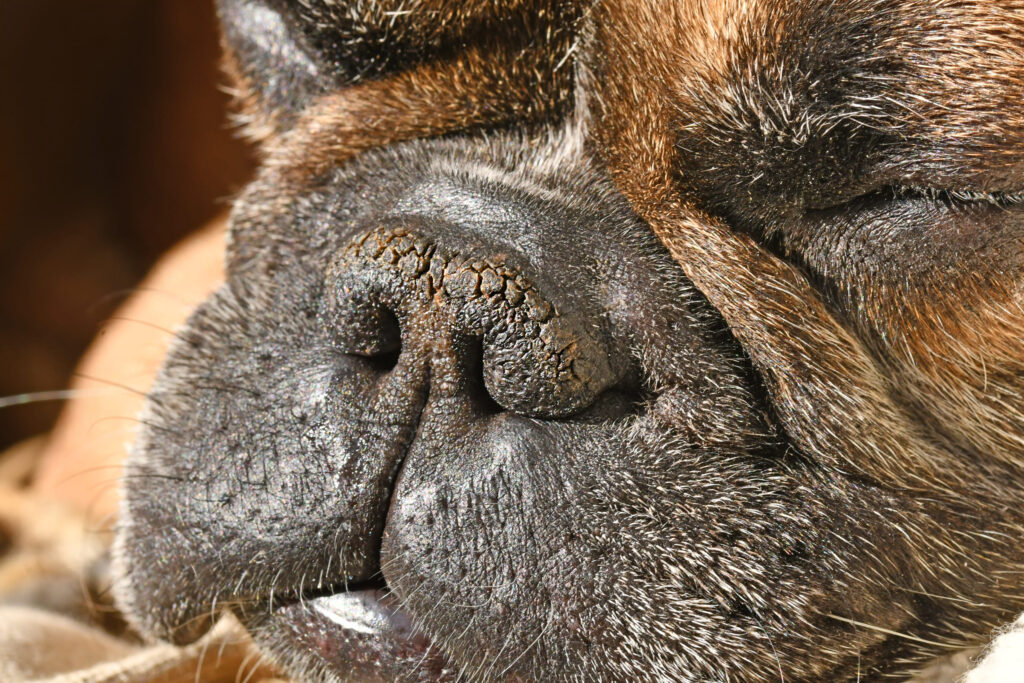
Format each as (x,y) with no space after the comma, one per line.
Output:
(694,350)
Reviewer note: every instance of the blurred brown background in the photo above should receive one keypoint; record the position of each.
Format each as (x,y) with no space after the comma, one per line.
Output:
(114,143)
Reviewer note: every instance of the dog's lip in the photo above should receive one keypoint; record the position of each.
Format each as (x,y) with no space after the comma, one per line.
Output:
(358,634)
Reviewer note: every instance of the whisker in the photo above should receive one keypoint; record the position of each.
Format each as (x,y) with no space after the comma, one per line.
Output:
(110,383)
(202,655)
(775,653)
(144,323)
(55,395)
(253,659)
(497,657)
(115,470)
(122,294)
(529,647)
(118,295)
(905,636)
(136,420)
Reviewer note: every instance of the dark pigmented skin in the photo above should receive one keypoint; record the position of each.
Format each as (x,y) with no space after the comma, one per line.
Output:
(608,384)
(432,312)
(340,414)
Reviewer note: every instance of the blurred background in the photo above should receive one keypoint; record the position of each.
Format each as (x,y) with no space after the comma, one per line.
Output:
(114,144)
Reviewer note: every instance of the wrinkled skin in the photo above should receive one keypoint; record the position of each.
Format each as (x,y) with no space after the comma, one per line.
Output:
(458,411)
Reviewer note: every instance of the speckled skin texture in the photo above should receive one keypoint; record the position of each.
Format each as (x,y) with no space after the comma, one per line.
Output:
(619,379)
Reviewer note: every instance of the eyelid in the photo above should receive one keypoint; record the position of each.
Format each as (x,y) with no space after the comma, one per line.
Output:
(891,193)
(958,196)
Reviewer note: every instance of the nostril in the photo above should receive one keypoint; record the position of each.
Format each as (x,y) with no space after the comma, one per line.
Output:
(477,388)
(390,331)
(528,356)
(383,353)
(488,406)
(386,361)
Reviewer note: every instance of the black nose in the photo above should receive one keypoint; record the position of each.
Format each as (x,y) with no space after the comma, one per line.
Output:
(395,289)
(277,458)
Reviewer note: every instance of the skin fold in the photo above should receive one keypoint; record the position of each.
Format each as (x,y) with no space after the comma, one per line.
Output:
(669,349)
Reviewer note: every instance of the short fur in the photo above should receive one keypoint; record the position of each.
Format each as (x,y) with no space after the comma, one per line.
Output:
(694,350)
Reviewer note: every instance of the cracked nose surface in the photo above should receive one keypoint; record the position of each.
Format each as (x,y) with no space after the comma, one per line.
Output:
(539,358)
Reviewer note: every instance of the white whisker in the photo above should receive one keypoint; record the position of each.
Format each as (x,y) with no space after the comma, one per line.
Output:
(56,395)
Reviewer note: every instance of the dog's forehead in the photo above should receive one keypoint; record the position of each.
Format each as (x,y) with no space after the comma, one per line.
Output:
(942,44)
(930,87)
(925,90)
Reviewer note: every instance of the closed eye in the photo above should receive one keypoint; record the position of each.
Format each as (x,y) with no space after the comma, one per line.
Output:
(959,197)
(897,193)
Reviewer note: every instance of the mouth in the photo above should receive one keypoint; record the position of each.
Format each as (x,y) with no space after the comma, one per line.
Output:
(360,633)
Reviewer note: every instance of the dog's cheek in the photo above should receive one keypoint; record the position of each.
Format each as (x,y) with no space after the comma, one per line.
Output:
(936,289)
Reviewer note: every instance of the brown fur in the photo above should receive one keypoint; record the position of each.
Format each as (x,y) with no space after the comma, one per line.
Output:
(931,341)
(414,104)
(511,65)
(745,134)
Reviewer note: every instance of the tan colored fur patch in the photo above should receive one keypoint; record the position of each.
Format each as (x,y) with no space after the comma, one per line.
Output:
(512,67)
(835,398)
(496,85)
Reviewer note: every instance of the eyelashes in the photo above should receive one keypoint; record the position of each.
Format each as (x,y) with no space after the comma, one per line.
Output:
(955,197)
(898,194)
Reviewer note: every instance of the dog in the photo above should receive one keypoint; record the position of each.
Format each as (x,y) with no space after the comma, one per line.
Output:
(624,340)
